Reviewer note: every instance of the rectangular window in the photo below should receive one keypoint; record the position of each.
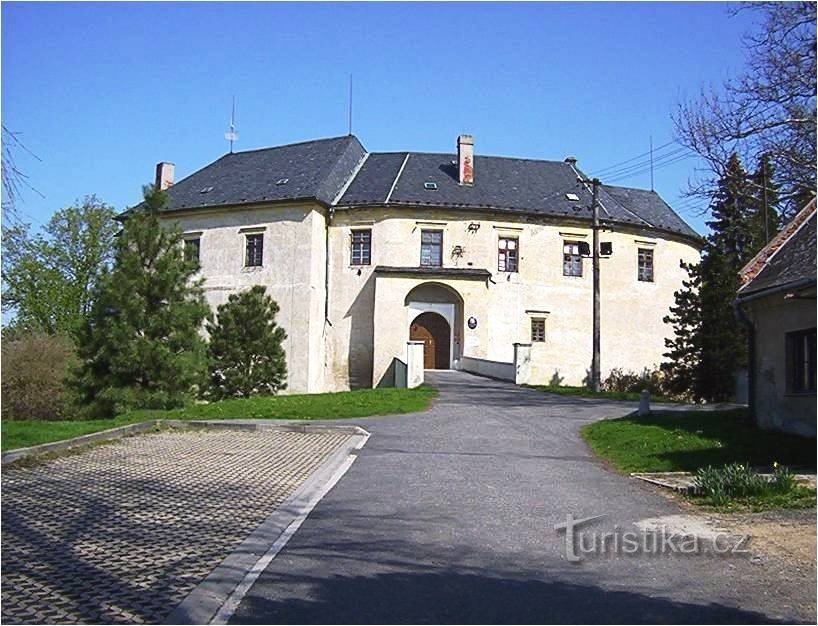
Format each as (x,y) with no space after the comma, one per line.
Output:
(192,247)
(645,272)
(571,259)
(255,250)
(361,247)
(800,351)
(537,329)
(431,248)
(507,254)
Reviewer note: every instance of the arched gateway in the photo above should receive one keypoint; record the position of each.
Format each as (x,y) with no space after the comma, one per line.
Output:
(434,331)
(436,319)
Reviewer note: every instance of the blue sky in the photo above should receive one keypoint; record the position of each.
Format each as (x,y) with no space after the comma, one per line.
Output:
(101,92)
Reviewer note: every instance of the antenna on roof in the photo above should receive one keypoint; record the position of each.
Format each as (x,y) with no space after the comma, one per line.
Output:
(651,163)
(350,103)
(232,134)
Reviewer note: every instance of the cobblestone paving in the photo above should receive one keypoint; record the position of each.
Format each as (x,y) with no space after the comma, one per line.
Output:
(123,532)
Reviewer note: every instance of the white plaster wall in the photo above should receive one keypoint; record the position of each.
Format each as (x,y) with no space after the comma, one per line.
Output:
(292,271)
(777,408)
(633,332)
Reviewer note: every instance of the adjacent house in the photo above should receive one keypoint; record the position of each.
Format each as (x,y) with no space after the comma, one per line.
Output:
(777,302)
(469,254)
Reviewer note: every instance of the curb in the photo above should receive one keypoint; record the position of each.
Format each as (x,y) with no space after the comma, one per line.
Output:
(112,434)
(215,599)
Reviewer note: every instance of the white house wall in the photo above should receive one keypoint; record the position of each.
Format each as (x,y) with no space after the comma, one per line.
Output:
(292,271)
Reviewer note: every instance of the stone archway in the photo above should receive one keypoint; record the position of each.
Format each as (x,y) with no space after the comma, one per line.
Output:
(435,333)
(447,304)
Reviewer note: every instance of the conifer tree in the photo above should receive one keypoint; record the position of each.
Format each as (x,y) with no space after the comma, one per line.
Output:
(681,369)
(709,344)
(764,218)
(246,353)
(141,345)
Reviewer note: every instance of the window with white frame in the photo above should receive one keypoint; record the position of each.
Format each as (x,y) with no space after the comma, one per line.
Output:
(645,265)
(431,248)
(508,254)
(361,253)
(254,250)
(571,259)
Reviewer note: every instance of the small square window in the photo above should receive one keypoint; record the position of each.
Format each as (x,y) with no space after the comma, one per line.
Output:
(254,256)
(508,254)
(192,249)
(571,259)
(431,248)
(537,329)
(645,262)
(361,253)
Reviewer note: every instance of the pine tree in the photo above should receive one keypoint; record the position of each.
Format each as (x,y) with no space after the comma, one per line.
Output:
(722,341)
(764,218)
(246,352)
(709,344)
(141,345)
(682,366)
(731,209)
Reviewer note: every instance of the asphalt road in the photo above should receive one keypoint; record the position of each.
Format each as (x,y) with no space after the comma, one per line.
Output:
(449,515)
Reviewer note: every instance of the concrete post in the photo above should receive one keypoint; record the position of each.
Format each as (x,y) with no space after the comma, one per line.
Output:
(644,402)
(522,363)
(414,363)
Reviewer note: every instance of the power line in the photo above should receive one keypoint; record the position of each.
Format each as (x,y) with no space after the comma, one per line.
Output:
(669,160)
(645,164)
(638,156)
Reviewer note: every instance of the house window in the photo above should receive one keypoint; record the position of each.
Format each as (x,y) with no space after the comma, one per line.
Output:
(507,254)
(645,272)
(431,248)
(361,247)
(192,247)
(800,351)
(571,259)
(537,329)
(255,250)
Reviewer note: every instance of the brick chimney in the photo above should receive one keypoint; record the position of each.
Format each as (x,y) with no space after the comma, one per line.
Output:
(164,175)
(465,160)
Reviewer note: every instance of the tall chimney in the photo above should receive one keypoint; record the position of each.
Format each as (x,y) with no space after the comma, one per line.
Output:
(164,175)
(465,160)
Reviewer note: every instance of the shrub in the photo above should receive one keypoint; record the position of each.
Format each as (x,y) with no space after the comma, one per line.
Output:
(627,381)
(246,355)
(722,484)
(35,366)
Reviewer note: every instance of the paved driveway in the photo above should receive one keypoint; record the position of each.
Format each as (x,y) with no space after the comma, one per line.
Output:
(448,516)
(123,532)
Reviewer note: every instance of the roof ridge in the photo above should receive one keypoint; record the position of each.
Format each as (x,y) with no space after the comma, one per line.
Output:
(290,145)
(476,156)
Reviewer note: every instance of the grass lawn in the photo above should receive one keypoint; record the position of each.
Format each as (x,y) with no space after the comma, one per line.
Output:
(668,441)
(359,403)
(584,392)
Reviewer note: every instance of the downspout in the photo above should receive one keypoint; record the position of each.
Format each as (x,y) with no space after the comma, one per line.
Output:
(751,356)
(330,213)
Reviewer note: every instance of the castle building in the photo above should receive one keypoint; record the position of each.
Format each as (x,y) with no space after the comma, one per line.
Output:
(481,258)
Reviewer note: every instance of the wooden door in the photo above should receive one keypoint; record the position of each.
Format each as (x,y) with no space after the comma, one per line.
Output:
(433,330)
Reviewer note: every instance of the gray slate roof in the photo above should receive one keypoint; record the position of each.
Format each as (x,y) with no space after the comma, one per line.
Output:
(322,169)
(313,170)
(794,262)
